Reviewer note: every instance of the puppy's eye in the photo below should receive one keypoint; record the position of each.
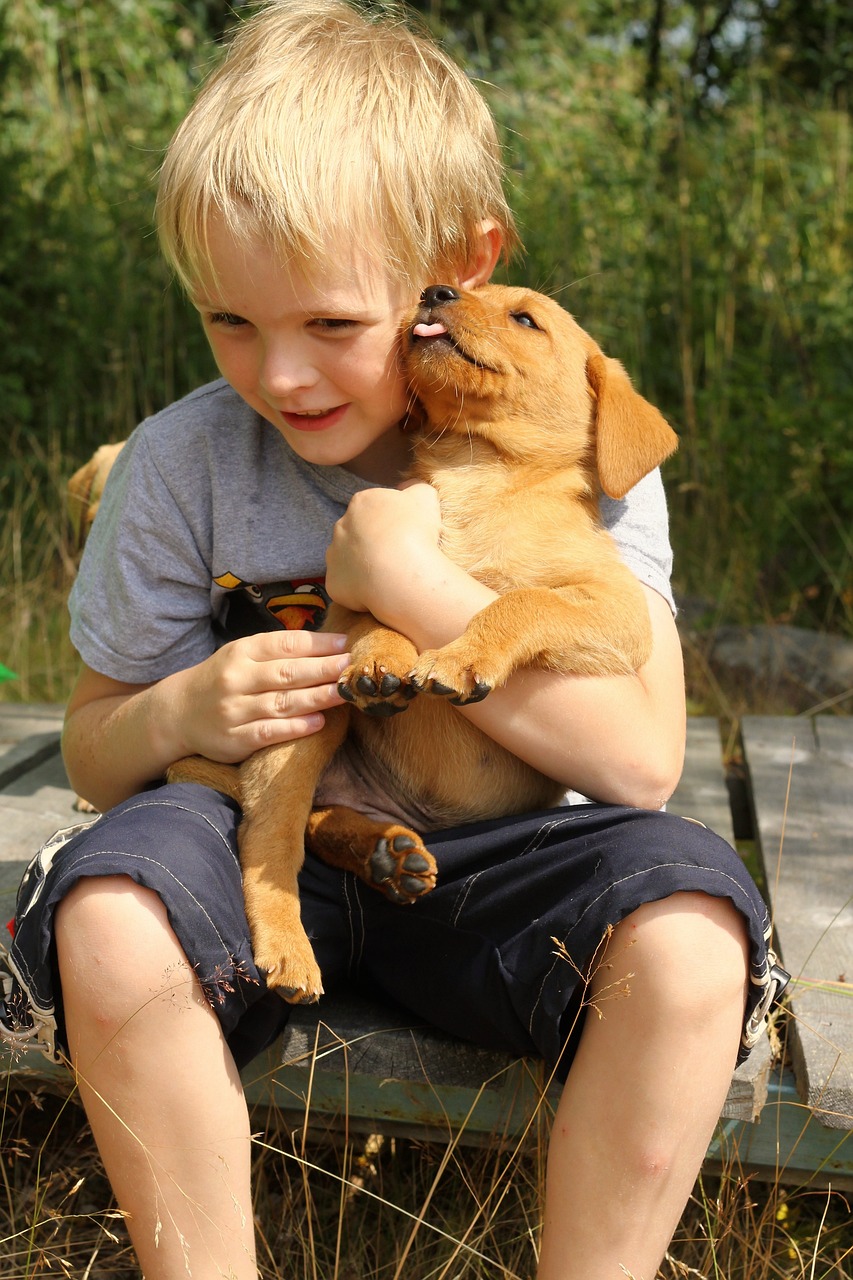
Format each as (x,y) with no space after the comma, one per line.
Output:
(524,319)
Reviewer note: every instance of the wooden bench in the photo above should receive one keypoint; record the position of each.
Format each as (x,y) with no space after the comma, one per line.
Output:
(370,1068)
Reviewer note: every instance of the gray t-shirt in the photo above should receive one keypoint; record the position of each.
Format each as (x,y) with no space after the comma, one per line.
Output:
(210,527)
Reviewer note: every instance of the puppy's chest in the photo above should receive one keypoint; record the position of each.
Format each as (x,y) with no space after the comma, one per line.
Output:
(488,532)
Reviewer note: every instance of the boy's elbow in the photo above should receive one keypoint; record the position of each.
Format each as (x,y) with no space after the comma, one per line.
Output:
(653,785)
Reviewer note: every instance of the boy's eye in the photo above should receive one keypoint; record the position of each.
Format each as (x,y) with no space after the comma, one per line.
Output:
(333,323)
(225,319)
(524,319)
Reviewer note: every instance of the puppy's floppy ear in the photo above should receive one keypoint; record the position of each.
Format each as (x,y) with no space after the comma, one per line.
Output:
(631,436)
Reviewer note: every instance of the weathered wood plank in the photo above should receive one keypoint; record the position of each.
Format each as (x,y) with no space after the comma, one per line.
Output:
(33,805)
(788,1145)
(28,735)
(365,1049)
(801,781)
(702,792)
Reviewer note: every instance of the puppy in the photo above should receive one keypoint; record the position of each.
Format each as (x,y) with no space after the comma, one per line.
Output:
(525,422)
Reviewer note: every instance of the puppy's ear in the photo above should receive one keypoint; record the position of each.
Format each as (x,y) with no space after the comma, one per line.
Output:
(631,436)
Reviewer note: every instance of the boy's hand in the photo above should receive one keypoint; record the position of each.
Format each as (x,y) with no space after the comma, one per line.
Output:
(265,688)
(386,538)
(254,692)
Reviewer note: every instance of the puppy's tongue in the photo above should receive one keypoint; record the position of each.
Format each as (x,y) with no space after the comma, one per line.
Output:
(429,330)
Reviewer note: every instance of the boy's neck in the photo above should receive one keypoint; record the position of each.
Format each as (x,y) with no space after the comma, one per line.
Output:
(386,461)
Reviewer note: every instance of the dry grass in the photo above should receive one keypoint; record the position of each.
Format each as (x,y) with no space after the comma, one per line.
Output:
(374,1209)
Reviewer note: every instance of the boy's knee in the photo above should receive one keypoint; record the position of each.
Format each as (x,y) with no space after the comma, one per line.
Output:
(692,947)
(113,937)
(97,909)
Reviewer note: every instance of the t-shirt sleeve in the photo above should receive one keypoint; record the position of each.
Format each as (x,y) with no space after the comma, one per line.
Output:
(140,605)
(639,523)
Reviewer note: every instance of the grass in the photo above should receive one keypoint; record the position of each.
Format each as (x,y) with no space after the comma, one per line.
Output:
(38,567)
(380,1209)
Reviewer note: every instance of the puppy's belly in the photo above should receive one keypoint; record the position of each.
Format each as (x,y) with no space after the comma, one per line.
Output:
(464,790)
(359,782)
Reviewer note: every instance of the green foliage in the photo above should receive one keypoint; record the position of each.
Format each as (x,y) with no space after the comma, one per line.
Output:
(89,95)
(682,185)
(711,253)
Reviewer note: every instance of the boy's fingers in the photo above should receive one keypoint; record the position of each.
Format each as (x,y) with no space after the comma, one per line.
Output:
(300,673)
(289,703)
(269,645)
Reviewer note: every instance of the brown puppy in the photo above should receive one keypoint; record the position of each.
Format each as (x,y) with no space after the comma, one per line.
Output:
(526,421)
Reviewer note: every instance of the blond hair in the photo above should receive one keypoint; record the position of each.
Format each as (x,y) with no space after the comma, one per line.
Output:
(327,128)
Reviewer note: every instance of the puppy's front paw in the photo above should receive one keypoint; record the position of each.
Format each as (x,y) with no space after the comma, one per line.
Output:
(375,688)
(449,674)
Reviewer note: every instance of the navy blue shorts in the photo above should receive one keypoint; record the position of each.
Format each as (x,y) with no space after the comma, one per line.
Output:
(477,956)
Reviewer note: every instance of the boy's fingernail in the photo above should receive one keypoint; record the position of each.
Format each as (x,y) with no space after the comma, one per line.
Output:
(340,642)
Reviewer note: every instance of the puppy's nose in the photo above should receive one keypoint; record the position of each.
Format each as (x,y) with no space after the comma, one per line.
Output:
(436,294)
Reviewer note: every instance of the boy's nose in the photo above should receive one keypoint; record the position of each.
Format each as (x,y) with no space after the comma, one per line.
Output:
(436,294)
(283,372)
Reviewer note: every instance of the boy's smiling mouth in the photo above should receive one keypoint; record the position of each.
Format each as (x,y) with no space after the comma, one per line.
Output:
(313,419)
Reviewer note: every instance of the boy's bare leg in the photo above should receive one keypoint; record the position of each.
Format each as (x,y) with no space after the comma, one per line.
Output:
(158,1083)
(645,1090)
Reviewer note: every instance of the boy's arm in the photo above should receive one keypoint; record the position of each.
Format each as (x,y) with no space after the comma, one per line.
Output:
(272,687)
(616,739)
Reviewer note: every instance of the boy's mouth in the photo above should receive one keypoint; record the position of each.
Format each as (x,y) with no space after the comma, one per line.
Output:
(314,420)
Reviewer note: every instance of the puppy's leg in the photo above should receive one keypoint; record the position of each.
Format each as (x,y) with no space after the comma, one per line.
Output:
(220,777)
(590,628)
(278,786)
(385,855)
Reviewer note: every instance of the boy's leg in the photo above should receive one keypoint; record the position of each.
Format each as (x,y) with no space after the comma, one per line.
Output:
(648,1078)
(158,1082)
(645,1089)
(138,921)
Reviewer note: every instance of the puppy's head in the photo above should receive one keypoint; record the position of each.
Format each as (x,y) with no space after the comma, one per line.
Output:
(512,367)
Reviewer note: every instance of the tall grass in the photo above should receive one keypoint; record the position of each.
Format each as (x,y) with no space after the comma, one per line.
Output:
(383,1208)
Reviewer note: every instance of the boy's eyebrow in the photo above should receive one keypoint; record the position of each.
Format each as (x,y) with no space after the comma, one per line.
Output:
(203,304)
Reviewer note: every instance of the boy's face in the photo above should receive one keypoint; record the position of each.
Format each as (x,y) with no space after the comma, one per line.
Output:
(317,358)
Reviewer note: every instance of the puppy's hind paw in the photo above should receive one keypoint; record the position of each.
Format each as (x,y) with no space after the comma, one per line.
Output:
(401,868)
(296,977)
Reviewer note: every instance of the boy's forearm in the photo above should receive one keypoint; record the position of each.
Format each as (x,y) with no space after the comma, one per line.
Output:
(616,739)
(115,746)
(608,738)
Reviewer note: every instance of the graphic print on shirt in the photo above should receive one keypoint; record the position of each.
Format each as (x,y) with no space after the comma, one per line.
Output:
(298,604)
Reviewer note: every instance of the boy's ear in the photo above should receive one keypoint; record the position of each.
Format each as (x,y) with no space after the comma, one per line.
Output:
(478,270)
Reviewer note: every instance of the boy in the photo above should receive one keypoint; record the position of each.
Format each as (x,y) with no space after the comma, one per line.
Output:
(332,168)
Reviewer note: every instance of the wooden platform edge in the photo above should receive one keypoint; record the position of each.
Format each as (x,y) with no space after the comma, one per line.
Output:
(787,1144)
(801,790)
